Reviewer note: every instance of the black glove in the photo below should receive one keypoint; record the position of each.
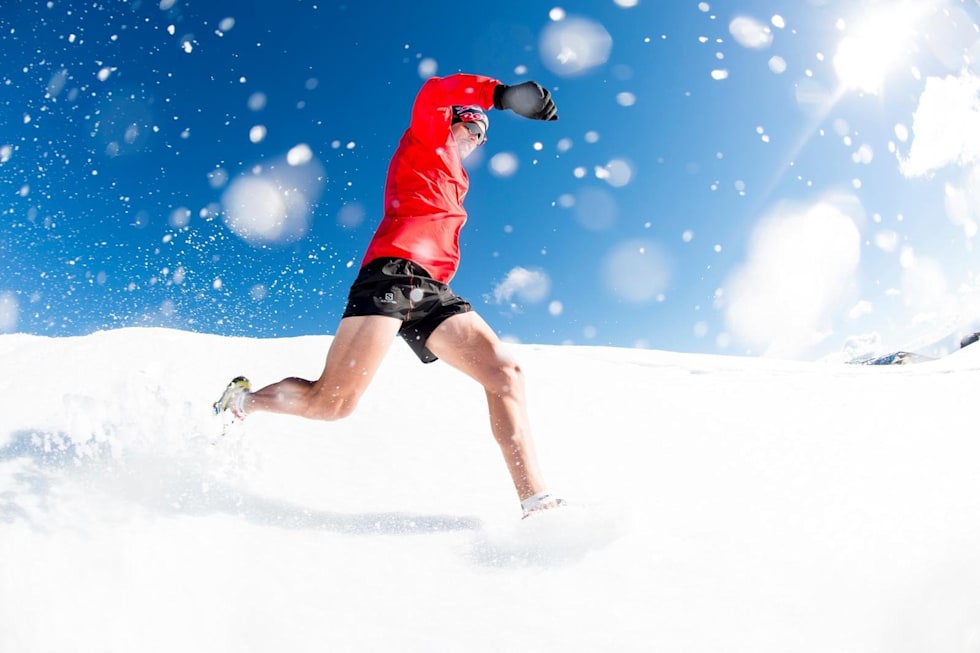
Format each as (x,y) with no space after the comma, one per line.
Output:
(529,99)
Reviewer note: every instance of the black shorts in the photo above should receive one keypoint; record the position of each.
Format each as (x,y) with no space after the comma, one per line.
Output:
(401,289)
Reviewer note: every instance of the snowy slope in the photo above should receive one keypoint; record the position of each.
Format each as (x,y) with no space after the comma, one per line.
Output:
(723,504)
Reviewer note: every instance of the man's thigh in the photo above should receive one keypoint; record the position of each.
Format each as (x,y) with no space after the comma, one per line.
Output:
(467,342)
(356,353)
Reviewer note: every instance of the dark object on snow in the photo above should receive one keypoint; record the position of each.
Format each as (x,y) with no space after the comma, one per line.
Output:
(970,339)
(898,358)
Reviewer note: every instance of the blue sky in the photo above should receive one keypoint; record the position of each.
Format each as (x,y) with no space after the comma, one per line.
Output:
(794,179)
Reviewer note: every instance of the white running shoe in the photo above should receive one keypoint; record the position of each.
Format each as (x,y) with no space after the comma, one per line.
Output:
(539,502)
(233,397)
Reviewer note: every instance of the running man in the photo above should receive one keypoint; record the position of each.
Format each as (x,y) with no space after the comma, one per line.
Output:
(402,288)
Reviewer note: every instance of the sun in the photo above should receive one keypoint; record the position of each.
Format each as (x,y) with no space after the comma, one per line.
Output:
(878,43)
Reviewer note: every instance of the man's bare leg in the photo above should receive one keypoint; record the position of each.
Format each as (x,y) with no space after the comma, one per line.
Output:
(355,355)
(467,342)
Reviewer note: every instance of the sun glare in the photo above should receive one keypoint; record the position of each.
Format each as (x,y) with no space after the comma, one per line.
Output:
(876,45)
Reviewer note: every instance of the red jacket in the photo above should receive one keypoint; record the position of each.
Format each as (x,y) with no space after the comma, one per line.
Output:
(426,180)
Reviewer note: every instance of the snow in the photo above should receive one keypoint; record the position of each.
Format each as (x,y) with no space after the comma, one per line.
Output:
(719,503)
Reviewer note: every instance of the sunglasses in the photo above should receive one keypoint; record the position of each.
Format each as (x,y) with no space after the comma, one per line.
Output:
(475,130)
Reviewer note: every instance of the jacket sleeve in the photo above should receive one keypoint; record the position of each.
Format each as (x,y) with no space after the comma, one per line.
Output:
(432,111)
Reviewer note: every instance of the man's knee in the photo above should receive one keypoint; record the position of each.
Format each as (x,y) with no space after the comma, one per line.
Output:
(508,377)
(330,408)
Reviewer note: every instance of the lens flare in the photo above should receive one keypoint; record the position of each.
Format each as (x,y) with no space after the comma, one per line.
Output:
(866,55)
